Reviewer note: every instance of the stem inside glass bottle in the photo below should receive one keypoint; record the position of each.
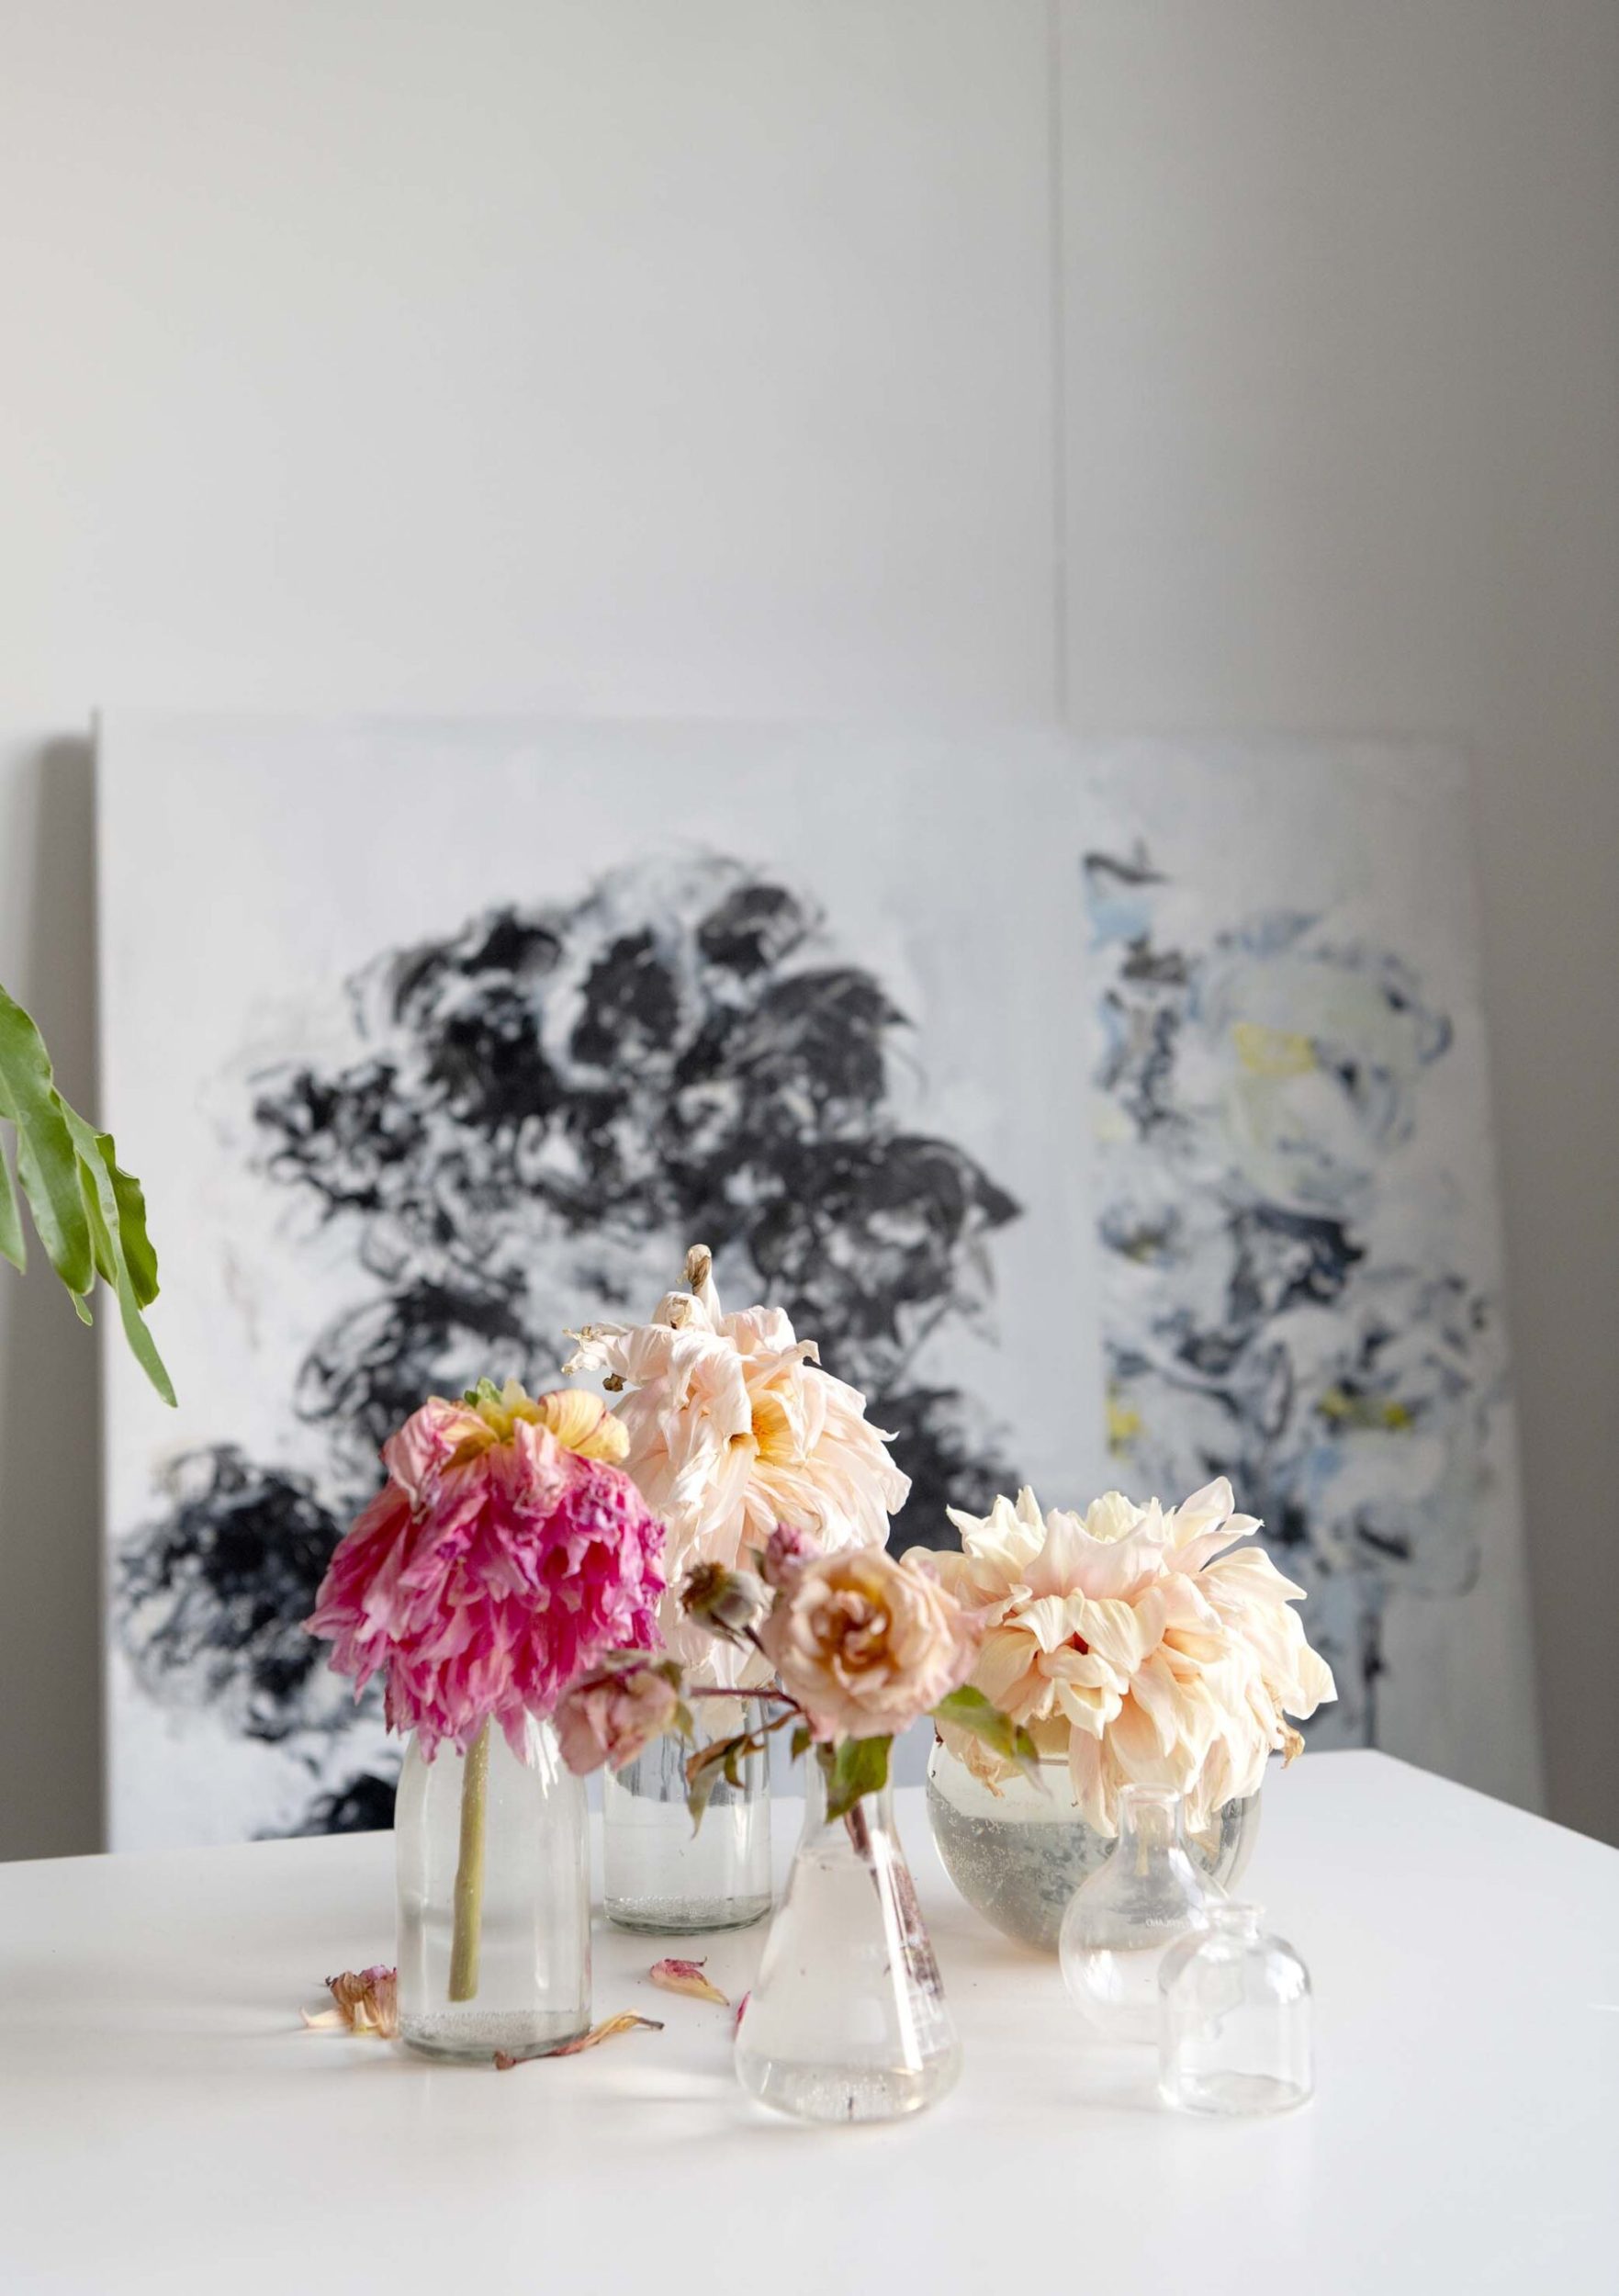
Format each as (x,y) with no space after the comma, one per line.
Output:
(468,1921)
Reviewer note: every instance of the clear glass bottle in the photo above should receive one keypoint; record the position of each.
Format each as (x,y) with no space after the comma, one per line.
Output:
(1122,1921)
(492,1859)
(658,1874)
(1234,2033)
(847,2020)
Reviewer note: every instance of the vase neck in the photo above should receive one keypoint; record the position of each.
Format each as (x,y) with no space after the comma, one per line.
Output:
(1149,1817)
(876,1808)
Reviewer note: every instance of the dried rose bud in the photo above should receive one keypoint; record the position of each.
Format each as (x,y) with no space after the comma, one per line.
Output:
(727,1602)
(614,1713)
(788,1551)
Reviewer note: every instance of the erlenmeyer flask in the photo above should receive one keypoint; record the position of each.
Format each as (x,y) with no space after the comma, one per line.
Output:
(848,2019)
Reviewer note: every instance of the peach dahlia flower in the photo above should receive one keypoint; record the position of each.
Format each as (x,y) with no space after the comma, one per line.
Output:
(1128,1639)
(734,1429)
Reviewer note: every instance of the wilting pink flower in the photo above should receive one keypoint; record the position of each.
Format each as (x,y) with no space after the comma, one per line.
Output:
(614,1713)
(785,1555)
(496,1565)
(867,1645)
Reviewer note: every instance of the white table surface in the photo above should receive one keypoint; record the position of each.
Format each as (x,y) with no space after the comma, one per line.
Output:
(166,2124)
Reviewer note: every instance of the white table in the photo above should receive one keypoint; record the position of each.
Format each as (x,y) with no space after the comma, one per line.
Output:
(165,2125)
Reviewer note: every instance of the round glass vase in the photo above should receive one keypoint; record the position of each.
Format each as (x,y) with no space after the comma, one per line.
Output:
(1017,1854)
(847,2018)
(491,1854)
(660,1874)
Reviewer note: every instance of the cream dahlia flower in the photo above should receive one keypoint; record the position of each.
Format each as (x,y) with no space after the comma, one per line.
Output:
(733,1430)
(1128,1639)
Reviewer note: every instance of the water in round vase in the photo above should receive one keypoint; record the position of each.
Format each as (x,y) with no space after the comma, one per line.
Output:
(847,2020)
(492,1854)
(1017,1855)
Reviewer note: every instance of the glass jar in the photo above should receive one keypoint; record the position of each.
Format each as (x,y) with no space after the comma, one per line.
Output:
(1234,2033)
(847,2020)
(1017,1854)
(658,1874)
(493,1857)
(1123,1920)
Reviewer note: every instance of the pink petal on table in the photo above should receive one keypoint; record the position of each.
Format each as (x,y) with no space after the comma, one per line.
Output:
(686,1976)
(364,2001)
(741,2008)
(608,2029)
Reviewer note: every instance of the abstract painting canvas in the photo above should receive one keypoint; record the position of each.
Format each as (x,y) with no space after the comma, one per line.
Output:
(439,1040)
(1295,1202)
(1106,1115)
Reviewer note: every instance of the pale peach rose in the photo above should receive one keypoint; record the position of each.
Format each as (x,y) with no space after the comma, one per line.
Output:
(1128,1639)
(734,1429)
(867,1645)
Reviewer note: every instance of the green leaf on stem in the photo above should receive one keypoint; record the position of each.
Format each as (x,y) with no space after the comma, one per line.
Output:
(120,1247)
(970,1710)
(704,1769)
(11,1247)
(801,1741)
(46,1162)
(856,1766)
(90,1214)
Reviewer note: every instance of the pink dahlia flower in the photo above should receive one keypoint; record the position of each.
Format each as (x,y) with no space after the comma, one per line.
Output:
(505,1556)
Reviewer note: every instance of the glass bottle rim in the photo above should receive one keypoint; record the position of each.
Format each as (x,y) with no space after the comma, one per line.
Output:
(1239,1917)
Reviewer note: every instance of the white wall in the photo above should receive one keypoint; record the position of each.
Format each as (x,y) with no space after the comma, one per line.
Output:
(599,354)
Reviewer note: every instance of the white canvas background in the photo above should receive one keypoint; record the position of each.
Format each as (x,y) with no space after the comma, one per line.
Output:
(248,867)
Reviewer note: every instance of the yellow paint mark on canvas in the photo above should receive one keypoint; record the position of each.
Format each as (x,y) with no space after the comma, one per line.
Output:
(1386,1414)
(1273,1052)
(1124,1424)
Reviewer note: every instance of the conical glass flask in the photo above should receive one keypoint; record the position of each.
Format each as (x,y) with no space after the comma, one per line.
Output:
(1122,1921)
(847,2019)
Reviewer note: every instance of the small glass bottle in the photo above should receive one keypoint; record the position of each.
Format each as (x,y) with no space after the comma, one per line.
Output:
(1121,1922)
(1235,2020)
(847,2020)
(657,1873)
(492,1857)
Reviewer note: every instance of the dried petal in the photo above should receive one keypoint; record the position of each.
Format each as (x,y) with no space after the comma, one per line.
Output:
(608,2029)
(366,2001)
(582,1423)
(686,1976)
(741,2011)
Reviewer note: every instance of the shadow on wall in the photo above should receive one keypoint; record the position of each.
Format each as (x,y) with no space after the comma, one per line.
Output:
(50,1378)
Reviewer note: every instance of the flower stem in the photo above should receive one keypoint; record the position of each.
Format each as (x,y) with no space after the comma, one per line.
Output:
(469,1930)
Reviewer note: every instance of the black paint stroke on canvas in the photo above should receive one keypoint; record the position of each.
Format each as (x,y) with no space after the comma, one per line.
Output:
(541,1112)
